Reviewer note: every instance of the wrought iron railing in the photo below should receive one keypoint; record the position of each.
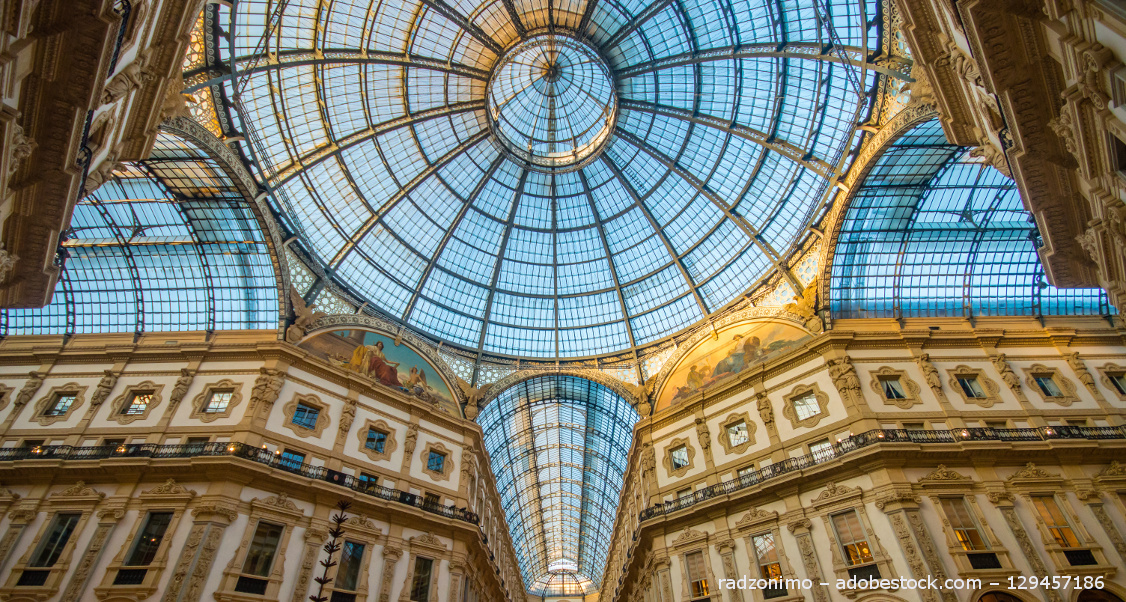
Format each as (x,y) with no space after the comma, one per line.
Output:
(872,437)
(237,450)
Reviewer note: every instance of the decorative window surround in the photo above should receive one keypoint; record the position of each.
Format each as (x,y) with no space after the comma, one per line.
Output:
(770,526)
(447,464)
(289,409)
(45,402)
(836,499)
(1067,388)
(199,403)
(424,546)
(910,388)
(121,402)
(725,441)
(276,510)
(360,530)
(791,414)
(667,459)
(169,497)
(389,445)
(963,491)
(1107,372)
(988,386)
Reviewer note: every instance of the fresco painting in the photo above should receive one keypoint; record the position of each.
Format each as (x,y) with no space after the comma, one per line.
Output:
(736,348)
(377,357)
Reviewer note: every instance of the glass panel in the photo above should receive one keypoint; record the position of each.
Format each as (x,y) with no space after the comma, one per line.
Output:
(971,387)
(679,457)
(1119,382)
(54,540)
(436,461)
(61,405)
(892,387)
(1048,386)
(965,528)
(376,440)
(737,433)
(263,546)
(137,404)
(291,460)
(806,406)
(305,416)
(351,561)
(218,402)
(697,576)
(1054,519)
(420,585)
(148,540)
(852,539)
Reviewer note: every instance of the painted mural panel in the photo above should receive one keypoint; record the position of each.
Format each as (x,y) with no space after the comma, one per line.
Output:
(377,357)
(736,348)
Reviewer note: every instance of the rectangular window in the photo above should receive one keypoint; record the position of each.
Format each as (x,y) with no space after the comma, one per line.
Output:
(54,540)
(684,494)
(965,528)
(1118,381)
(971,387)
(851,536)
(148,540)
(351,561)
(218,401)
(263,546)
(697,576)
(679,457)
(430,500)
(60,405)
(305,416)
(893,389)
(376,440)
(769,567)
(435,462)
(138,402)
(914,426)
(420,584)
(291,460)
(737,433)
(822,450)
(368,480)
(1054,519)
(745,474)
(1048,386)
(806,406)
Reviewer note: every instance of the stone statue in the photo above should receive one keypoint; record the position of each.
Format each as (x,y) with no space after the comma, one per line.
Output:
(1007,374)
(181,387)
(21,148)
(806,307)
(642,392)
(1081,371)
(267,387)
(844,376)
(930,373)
(765,411)
(34,381)
(7,262)
(705,435)
(304,316)
(648,459)
(101,392)
(412,436)
(473,396)
(347,415)
(131,77)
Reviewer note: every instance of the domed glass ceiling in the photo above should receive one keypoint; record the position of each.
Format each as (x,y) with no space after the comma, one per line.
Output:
(549,179)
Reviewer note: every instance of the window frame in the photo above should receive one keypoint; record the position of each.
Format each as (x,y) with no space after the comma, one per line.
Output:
(725,436)
(200,401)
(447,464)
(389,445)
(813,392)
(123,402)
(989,387)
(170,498)
(289,412)
(912,392)
(47,401)
(1067,390)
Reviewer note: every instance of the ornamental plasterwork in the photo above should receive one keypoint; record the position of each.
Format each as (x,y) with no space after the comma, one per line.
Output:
(1106,371)
(45,401)
(447,462)
(199,403)
(724,437)
(690,536)
(910,387)
(389,444)
(312,401)
(801,391)
(119,404)
(1113,470)
(415,343)
(708,330)
(988,386)
(755,517)
(834,492)
(1066,387)
(79,489)
(5,396)
(1032,472)
(666,460)
(170,487)
(944,474)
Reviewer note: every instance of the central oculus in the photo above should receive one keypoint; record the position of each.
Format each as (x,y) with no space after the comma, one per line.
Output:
(551,103)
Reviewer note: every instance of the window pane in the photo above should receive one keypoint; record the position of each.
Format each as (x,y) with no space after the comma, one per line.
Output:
(892,388)
(1054,519)
(61,405)
(218,402)
(420,586)
(376,440)
(260,555)
(351,560)
(679,457)
(1119,382)
(148,541)
(137,404)
(1048,386)
(965,529)
(55,540)
(697,574)
(737,433)
(436,461)
(806,406)
(305,416)
(970,386)
(852,539)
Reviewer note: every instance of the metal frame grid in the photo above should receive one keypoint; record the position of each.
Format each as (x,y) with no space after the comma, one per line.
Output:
(559,447)
(366,120)
(933,231)
(168,244)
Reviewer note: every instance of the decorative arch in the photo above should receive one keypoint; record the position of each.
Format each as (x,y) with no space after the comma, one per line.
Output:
(625,390)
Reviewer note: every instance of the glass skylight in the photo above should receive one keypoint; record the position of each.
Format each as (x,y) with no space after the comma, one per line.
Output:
(558,447)
(548,179)
(934,231)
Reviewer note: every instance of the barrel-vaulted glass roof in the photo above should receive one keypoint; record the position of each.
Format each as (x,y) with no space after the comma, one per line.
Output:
(934,231)
(372,124)
(558,446)
(167,244)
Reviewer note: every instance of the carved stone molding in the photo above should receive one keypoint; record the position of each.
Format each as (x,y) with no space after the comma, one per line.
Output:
(1065,385)
(447,463)
(199,402)
(725,439)
(945,475)
(989,387)
(121,402)
(666,459)
(1106,372)
(79,490)
(755,517)
(689,537)
(799,391)
(45,402)
(170,488)
(1031,472)
(834,493)
(1026,546)
(1113,470)
(312,401)
(389,445)
(910,387)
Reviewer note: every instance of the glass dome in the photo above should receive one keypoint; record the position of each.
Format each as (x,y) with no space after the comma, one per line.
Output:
(559,179)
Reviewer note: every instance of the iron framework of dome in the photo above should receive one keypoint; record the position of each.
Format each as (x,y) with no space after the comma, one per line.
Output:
(559,447)
(676,161)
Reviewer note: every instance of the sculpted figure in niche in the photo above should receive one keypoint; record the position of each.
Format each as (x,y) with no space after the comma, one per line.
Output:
(181,387)
(267,387)
(930,373)
(104,387)
(1007,374)
(1081,370)
(34,381)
